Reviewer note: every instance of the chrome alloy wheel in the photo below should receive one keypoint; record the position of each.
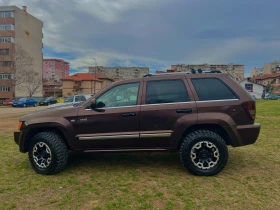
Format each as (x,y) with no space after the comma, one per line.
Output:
(205,155)
(42,155)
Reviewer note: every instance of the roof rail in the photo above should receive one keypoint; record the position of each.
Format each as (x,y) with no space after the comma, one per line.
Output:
(192,72)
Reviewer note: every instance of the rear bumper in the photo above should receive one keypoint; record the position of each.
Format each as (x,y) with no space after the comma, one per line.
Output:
(19,137)
(245,134)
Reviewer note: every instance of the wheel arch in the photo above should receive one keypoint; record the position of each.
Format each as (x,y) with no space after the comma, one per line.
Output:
(212,127)
(33,131)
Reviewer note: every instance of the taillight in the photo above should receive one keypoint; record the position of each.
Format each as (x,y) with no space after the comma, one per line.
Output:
(250,108)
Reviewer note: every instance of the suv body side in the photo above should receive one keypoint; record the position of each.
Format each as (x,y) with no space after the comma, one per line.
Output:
(114,128)
(163,124)
(151,126)
(227,113)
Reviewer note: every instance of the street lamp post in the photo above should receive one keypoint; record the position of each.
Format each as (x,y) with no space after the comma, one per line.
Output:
(53,86)
(95,75)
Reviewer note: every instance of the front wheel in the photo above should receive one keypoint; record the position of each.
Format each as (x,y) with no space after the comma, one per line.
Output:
(204,153)
(47,153)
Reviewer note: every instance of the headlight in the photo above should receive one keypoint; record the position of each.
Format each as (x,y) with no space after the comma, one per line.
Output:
(20,125)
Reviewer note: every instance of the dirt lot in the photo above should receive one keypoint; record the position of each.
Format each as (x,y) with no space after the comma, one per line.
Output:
(9,117)
(10,111)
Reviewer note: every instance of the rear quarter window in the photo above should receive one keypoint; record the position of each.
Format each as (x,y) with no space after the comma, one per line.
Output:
(209,89)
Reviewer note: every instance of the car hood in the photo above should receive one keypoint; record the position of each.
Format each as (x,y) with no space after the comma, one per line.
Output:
(64,111)
(60,104)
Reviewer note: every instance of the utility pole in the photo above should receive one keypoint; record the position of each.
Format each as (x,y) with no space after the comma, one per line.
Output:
(95,75)
(53,86)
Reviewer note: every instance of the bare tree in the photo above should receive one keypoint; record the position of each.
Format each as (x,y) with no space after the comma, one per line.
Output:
(20,65)
(23,63)
(32,82)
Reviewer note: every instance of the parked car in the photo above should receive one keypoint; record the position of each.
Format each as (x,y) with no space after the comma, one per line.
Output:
(273,97)
(47,101)
(70,100)
(9,101)
(24,102)
(197,115)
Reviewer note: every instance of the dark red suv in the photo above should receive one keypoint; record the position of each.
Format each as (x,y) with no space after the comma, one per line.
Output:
(197,115)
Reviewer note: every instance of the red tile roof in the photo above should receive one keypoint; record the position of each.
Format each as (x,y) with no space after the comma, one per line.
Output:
(266,76)
(81,77)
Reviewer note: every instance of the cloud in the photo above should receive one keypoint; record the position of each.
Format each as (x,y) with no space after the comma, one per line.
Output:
(158,33)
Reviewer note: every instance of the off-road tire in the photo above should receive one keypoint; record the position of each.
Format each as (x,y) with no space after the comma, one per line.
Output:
(59,152)
(195,137)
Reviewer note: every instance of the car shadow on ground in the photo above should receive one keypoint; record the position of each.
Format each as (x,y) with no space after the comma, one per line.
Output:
(133,160)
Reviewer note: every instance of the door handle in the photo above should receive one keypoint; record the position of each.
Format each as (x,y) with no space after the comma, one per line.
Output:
(127,114)
(184,110)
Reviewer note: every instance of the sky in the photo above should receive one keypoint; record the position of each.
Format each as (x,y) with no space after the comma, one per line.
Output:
(158,33)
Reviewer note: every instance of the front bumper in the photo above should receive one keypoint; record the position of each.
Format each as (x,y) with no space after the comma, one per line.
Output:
(19,138)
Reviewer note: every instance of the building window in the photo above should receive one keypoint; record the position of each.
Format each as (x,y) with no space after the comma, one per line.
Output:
(4,89)
(249,87)
(5,27)
(7,63)
(212,89)
(4,51)
(5,76)
(6,14)
(6,39)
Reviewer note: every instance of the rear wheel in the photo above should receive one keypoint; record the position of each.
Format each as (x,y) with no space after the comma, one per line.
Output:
(47,153)
(35,105)
(24,105)
(204,153)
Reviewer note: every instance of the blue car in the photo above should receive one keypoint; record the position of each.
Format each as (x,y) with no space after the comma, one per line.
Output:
(24,102)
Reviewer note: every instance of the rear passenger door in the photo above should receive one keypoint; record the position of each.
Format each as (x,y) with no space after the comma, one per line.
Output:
(168,107)
(216,101)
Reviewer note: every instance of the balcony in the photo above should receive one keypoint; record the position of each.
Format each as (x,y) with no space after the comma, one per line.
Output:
(76,87)
(9,20)
(51,90)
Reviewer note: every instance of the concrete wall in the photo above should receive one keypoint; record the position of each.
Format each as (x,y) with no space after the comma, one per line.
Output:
(28,34)
(106,82)
(86,87)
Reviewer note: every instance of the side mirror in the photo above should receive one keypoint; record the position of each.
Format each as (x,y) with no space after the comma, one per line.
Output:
(93,104)
(97,107)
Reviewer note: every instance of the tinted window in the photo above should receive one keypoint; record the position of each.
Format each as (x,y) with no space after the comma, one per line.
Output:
(69,99)
(212,89)
(121,95)
(166,91)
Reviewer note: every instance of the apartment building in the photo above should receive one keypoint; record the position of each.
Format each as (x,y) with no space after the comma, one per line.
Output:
(257,72)
(56,69)
(235,70)
(121,73)
(272,67)
(18,28)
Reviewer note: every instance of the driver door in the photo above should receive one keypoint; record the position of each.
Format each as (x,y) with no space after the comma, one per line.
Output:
(117,126)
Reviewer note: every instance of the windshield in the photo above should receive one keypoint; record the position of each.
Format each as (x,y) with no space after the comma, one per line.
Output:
(69,99)
(22,99)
